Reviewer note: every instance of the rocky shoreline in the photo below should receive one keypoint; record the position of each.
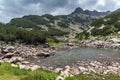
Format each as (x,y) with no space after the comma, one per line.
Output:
(87,67)
(101,66)
(21,54)
(110,42)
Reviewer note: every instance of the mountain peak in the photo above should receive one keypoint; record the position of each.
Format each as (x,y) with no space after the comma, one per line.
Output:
(78,10)
(93,13)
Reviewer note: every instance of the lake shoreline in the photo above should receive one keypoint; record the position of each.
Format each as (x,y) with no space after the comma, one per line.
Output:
(104,65)
(20,54)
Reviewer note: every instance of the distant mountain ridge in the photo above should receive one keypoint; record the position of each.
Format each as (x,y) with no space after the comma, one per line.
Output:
(78,16)
(85,17)
(73,23)
(90,13)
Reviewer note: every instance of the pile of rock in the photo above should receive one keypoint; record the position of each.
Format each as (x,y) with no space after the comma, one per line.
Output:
(33,51)
(88,67)
(8,54)
(101,44)
(20,54)
(26,66)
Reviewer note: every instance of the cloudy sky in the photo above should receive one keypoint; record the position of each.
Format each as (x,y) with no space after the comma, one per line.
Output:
(17,8)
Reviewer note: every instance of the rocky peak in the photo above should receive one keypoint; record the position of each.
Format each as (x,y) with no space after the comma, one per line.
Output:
(78,10)
(93,13)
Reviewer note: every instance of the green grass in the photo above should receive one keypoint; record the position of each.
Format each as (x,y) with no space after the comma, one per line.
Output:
(93,76)
(11,73)
(53,44)
(40,75)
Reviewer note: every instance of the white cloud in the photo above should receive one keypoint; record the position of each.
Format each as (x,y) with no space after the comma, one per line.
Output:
(60,11)
(101,3)
(117,2)
(81,1)
(33,8)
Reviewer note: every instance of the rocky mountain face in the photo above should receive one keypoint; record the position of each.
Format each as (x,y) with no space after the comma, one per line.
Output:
(85,17)
(96,13)
(90,13)
(118,10)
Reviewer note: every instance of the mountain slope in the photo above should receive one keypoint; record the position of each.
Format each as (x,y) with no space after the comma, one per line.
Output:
(72,23)
(80,16)
(107,25)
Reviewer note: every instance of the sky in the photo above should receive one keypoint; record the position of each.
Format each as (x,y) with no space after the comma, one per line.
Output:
(17,8)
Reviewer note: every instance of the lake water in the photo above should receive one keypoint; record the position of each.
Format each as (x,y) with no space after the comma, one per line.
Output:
(67,57)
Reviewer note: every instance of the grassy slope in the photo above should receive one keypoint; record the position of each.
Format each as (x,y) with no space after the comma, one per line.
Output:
(10,73)
(107,25)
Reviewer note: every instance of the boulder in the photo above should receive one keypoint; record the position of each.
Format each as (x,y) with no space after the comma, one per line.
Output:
(66,73)
(58,70)
(83,69)
(59,78)
(7,49)
(46,45)
(43,54)
(25,62)
(4,50)
(34,67)
(70,44)
(10,49)
(67,67)
(16,59)
(17,53)
(13,65)
(22,66)
(6,60)
(9,55)
(115,40)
